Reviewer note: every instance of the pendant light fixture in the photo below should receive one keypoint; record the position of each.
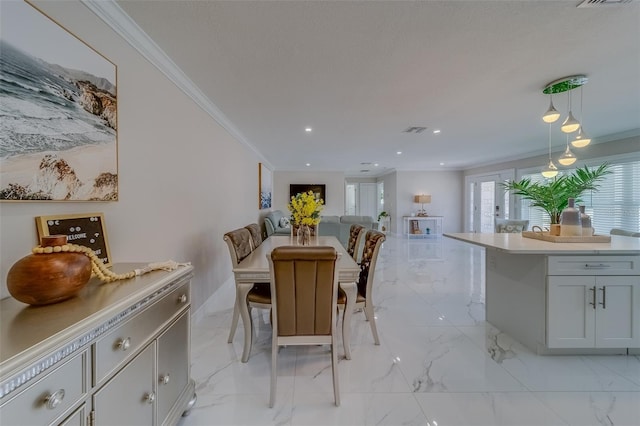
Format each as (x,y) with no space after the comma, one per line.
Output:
(581,138)
(552,114)
(570,124)
(550,170)
(567,158)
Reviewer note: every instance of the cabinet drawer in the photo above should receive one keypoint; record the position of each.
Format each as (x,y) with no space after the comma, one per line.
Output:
(49,398)
(594,265)
(111,351)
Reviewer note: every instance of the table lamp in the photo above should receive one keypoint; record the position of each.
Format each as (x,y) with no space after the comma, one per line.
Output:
(422,199)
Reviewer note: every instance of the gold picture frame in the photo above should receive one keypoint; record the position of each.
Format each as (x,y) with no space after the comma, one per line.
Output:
(72,148)
(85,229)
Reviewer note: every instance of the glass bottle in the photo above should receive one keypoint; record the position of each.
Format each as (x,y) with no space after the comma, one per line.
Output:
(570,223)
(587,230)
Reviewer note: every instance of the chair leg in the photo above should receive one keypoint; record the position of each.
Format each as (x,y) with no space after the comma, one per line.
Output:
(334,369)
(274,372)
(234,321)
(369,314)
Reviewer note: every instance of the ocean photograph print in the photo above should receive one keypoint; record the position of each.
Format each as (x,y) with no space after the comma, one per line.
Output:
(58,112)
(265,187)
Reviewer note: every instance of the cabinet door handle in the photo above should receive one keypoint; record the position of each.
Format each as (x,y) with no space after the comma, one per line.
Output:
(593,294)
(150,397)
(182,298)
(124,344)
(604,297)
(55,399)
(596,266)
(164,379)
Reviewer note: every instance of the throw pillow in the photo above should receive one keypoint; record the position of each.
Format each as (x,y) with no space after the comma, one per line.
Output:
(284,222)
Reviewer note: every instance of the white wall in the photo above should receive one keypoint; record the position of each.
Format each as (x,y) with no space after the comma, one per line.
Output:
(334,181)
(173,159)
(445,188)
(612,145)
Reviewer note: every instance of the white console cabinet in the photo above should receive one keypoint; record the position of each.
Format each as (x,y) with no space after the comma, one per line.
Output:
(422,226)
(116,354)
(593,303)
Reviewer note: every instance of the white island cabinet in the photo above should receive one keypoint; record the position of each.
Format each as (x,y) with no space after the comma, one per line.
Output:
(563,298)
(118,353)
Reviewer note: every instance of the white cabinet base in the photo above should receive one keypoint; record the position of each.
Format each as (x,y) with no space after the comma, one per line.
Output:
(552,314)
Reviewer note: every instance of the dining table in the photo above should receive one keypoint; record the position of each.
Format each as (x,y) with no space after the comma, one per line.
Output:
(255,269)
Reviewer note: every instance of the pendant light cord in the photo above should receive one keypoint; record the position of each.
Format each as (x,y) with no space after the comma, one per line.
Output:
(550,143)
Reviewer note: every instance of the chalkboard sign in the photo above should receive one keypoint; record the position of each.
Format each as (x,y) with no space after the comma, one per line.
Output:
(85,229)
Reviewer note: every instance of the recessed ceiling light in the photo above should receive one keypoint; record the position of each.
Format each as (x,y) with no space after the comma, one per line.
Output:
(435,132)
(376,165)
(442,164)
(399,152)
(308,164)
(308,129)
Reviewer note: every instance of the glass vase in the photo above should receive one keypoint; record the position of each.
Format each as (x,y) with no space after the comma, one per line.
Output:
(587,229)
(570,223)
(304,235)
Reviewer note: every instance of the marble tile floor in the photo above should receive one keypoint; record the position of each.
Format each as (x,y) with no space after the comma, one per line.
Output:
(439,362)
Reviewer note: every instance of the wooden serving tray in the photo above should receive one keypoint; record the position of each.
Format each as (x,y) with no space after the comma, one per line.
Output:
(560,239)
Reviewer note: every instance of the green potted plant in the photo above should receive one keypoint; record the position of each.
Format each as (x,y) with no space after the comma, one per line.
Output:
(383,216)
(553,195)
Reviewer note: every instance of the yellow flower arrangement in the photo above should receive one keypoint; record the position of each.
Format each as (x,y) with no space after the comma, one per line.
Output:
(305,209)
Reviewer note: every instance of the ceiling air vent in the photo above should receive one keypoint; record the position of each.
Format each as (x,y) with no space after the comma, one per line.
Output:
(602,3)
(365,171)
(414,129)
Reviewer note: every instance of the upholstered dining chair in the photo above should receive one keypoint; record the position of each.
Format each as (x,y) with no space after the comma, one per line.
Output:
(355,237)
(256,235)
(241,243)
(624,232)
(512,226)
(304,289)
(364,299)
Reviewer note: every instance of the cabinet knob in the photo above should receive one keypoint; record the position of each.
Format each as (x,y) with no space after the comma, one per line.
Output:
(164,379)
(124,344)
(182,298)
(150,397)
(53,400)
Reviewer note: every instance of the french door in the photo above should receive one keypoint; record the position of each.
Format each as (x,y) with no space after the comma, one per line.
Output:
(485,200)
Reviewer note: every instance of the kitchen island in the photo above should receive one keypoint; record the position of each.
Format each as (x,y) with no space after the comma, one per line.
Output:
(563,298)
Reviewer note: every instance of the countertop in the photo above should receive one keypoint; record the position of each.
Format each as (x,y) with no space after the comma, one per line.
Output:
(24,327)
(517,244)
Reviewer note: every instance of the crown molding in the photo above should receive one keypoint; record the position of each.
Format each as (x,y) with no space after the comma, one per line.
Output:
(122,24)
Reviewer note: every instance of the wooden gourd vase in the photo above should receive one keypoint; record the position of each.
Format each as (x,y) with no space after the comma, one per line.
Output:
(43,279)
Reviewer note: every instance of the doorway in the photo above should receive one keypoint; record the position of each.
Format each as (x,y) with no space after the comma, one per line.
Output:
(485,200)
(361,199)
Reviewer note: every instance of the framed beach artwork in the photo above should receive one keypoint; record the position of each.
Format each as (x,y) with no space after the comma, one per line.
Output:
(58,112)
(265,187)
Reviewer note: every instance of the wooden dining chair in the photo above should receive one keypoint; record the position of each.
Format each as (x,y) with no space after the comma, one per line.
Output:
(304,289)
(356,232)
(364,299)
(241,243)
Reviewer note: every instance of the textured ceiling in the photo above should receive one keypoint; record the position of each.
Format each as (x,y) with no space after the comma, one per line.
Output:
(361,72)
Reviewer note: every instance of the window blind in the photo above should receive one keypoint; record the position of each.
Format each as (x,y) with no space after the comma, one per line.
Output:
(616,203)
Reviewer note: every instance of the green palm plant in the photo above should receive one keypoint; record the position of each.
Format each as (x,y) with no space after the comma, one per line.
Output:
(553,195)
